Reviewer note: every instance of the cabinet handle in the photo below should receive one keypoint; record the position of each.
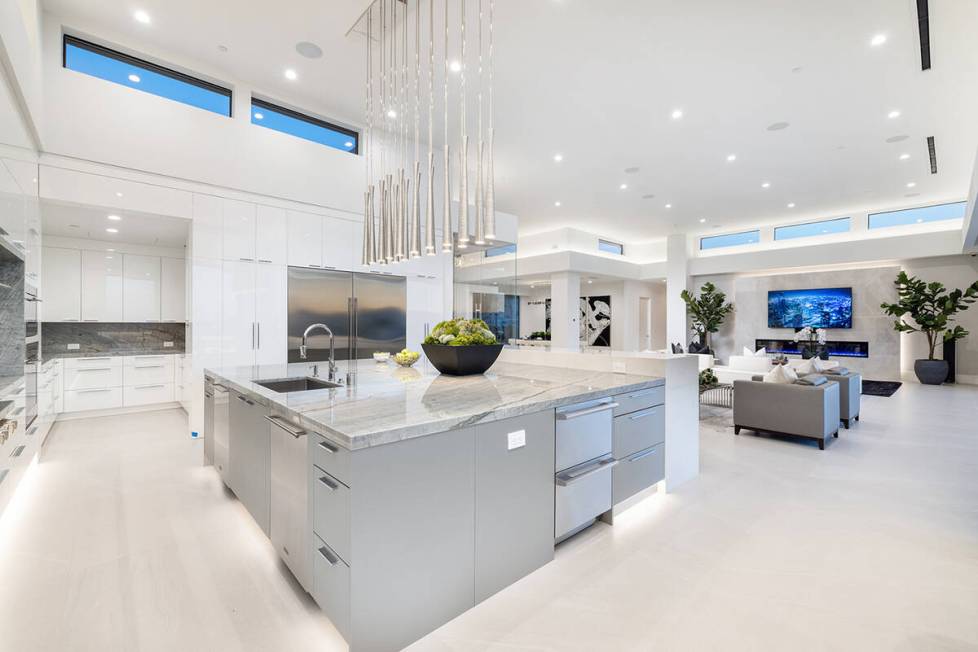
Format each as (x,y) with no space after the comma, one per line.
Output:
(247,260)
(149,366)
(89,320)
(637,456)
(92,391)
(94,369)
(327,447)
(284,425)
(313,265)
(258,327)
(262,260)
(330,558)
(92,359)
(644,413)
(243,399)
(641,393)
(565,416)
(149,386)
(566,478)
(69,320)
(328,267)
(329,483)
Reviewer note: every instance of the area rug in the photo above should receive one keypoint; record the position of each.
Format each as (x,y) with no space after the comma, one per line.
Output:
(880,387)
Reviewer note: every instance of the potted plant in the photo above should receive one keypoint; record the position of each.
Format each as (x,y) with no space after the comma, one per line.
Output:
(814,339)
(931,308)
(706,312)
(460,347)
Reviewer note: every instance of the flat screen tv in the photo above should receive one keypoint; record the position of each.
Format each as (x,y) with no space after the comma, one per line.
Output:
(820,308)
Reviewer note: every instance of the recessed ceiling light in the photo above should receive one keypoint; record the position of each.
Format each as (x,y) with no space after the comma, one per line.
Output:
(668,205)
(731,158)
(111,230)
(392,113)
(557,204)
(893,114)
(791,205)
(141,16)
(702,220)
(114,218)
(766,184)
(911,184)
(558,158)
(589,281)
(259,115)
(919,220)
(108,257)
(34,179)
(291,74)
(455,65)
(308,50)
(677,114)
(878,40)
(348,144)
(623,186)
(134,78)
(904,157)
(118,194)
(110,249)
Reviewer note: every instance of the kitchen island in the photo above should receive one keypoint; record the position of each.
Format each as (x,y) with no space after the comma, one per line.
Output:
(403,498)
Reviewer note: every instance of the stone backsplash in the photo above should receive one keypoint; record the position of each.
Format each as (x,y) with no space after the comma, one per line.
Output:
(109,337)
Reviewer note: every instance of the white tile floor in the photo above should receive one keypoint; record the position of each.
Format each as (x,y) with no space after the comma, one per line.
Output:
(122,541)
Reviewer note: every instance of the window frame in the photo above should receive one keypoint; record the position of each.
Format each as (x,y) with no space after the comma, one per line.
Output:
(265,105)
(846,219)
(725,235)
(620,246)
(870,216)
(147,65)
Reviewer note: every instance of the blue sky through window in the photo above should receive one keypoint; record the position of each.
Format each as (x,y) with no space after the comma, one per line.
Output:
(317,131)
(838,225)
(145,78)
(730,240)
(937,213)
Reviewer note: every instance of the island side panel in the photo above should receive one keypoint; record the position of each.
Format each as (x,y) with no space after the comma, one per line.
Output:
(413,524)
(514,500)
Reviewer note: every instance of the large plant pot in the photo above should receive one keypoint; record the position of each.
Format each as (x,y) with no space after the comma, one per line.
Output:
(462,360)
(931,372)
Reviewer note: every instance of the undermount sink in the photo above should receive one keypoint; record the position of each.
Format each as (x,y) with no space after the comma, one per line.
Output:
(304,384)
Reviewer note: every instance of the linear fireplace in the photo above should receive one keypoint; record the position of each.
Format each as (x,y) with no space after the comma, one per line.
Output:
(837,349)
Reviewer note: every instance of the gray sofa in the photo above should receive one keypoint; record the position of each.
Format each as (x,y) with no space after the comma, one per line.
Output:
(800,410)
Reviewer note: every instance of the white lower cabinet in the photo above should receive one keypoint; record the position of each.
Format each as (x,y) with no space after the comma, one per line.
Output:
(147,394)
(103,398)
(108,382)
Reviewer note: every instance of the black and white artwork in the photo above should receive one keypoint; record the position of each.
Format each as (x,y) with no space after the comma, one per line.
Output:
(596,321)
(547,318)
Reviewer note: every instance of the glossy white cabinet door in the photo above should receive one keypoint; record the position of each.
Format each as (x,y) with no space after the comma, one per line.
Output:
(424,308)
(101,278)
(141,288)
(207,227)
(173,303)
(305,239)
(239,230)
(271,300)
(207,308)
(338,244)
(239,334)
(271,244)
(61,284)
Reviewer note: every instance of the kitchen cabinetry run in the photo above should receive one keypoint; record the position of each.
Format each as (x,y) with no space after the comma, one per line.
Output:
(255,313)
(112,382)
(141,288)
(321,241)
(61,290)
(101,278)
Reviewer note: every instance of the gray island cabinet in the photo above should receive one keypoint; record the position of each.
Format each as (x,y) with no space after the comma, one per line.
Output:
(424,494)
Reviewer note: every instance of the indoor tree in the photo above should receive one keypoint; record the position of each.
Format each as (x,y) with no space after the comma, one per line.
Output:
(706,312)
(932,308)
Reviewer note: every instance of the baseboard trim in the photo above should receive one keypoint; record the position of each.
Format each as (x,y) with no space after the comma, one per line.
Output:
(110,412)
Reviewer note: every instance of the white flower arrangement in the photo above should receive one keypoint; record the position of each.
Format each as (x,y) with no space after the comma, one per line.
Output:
(811,335)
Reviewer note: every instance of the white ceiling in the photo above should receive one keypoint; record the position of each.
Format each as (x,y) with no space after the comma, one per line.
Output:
(89,222)
(597,82)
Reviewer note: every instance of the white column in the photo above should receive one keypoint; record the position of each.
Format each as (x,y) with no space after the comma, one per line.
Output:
(565,308)
(676,281)
(631,295)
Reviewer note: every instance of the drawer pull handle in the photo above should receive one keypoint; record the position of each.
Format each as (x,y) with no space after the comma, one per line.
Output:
(644,413)
(244,400)
(150,386)
(149,366)
(94,369)
(565,416)
(567,478)
(276,420)
(637,456)
(327,447)
(330,558)
(640,394)
(332,486)
(93,359)
(91,391)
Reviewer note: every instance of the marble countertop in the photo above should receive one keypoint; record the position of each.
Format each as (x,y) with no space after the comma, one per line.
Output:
(388,403)
(53,355)
(11,385)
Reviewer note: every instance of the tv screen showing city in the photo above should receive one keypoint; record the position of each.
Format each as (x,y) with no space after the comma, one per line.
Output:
(822,308)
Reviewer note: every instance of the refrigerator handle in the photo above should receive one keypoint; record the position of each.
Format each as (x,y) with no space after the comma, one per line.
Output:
(356,324)
(350,310)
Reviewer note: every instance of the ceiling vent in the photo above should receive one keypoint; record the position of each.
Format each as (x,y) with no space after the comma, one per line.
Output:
(932,152)
(923,26)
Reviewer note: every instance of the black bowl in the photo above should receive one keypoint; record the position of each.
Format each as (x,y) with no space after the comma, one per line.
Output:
(462,360)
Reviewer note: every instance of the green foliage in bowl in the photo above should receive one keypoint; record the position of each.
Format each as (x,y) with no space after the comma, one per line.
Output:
(461,332)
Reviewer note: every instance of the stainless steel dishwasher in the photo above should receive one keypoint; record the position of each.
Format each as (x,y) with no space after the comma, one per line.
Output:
(289,489)
(582,465)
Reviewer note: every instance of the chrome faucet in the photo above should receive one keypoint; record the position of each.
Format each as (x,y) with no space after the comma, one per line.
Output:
(332,351)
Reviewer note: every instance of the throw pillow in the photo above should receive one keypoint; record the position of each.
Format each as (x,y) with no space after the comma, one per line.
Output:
(820,365)
(780,374)
(760,353)
(805,367)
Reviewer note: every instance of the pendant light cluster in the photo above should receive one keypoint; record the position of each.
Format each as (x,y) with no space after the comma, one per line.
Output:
(400,179)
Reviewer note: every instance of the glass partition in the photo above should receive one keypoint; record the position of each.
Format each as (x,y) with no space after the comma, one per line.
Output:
(486,288)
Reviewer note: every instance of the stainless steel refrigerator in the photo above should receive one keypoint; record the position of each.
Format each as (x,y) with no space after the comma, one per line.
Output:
(366,312)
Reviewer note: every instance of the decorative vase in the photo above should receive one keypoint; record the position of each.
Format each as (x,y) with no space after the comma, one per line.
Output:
(931,372)
(462,360)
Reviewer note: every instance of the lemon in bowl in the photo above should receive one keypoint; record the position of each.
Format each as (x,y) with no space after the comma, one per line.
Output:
(406,358)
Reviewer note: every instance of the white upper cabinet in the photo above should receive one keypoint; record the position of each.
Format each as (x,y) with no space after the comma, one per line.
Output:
(141,288)
(305,239)
(271,314)
(207,227)
(239,230)
(101,286)
(271,243)
(338,243)
(61,284)
(173,274)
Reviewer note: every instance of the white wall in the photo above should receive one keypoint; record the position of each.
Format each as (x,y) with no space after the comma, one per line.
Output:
(20,59)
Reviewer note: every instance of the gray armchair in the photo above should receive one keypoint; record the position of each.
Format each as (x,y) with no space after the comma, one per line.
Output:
(850,391)
(800,410)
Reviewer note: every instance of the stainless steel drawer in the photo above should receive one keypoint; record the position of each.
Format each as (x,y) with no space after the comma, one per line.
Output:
(583,493)
(331,585)
(331,512)
(639,430)
(583,432)
(331,457)
(639,471)
(640,399)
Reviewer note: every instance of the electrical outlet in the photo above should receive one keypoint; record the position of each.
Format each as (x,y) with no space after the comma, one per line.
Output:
(74,347)
(167,345)
(516,439)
